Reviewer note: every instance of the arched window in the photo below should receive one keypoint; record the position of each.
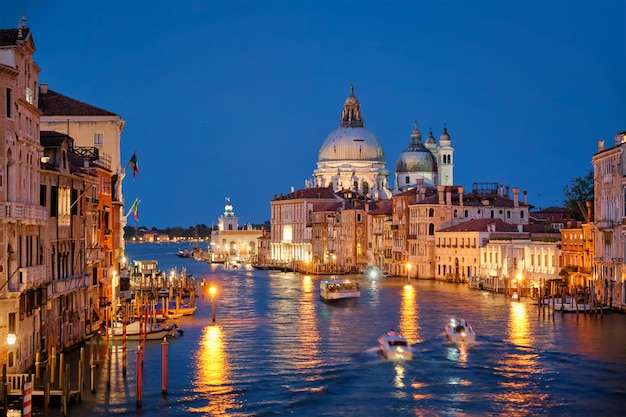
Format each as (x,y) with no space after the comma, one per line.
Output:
(431,212)
(456,213)
(366,188)
(431,229)
(466,214)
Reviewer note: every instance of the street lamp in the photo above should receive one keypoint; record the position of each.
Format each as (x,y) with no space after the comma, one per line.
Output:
(408,272)
(212,291)
(11,338)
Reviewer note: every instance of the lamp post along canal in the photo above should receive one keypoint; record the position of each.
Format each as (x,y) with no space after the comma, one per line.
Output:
(212,291)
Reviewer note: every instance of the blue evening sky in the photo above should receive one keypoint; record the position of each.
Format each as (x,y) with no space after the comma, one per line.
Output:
(235,98)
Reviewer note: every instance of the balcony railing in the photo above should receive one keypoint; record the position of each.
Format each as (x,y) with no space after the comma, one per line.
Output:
(27,213)
(27,277)
(604,224)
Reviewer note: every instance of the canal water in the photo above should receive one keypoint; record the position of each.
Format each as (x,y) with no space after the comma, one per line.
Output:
(276,349)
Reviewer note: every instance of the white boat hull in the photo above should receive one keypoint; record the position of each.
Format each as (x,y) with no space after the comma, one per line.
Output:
(460,334)
(395,347)
(133,331)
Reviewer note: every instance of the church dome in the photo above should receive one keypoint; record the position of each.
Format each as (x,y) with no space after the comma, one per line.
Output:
(351,141)
(416,158)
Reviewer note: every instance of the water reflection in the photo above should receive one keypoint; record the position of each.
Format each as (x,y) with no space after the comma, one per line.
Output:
(521,393)
(213,372)
(519,329)
(373,294)
(398,381)
(458,353)
(308,335)
(409,315)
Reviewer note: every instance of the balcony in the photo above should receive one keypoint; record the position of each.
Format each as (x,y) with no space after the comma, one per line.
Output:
(605,225)
(24,213)
(27,277)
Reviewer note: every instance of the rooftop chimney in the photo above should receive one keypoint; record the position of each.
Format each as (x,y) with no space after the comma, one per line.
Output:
(43,88)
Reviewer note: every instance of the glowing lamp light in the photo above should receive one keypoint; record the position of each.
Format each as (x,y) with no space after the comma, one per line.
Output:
(212,290)
(11,338)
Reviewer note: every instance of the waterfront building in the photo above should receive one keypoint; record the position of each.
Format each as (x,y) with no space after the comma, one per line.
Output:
(354,233)
(325,230)
(291,227)
(231,243)
(400,231)
(24,261)
(95,129)
(434,209)
(458,247)
(609,181)
(264,251)
(379,241)
(577,253)
(512,257)
(72,290)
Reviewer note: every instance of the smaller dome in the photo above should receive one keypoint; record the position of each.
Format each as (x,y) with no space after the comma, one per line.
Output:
(416,158)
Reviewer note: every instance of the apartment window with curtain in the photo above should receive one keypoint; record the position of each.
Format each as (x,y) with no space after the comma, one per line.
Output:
(98,138)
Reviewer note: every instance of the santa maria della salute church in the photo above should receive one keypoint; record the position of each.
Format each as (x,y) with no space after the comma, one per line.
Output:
(349,217)
(352,159)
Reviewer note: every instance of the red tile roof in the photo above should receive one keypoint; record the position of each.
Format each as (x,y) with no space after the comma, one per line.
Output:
(309,193)
(55,104)
(8,37)
(480,225)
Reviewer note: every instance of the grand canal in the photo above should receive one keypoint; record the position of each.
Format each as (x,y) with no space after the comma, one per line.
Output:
(276,349)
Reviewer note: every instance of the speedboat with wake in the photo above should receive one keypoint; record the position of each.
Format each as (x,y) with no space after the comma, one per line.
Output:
(395,346)
(460,331)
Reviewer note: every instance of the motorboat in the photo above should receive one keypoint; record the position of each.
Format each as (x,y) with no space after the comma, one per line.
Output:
(395,346)
(331,290)
(136,329)
(460,331)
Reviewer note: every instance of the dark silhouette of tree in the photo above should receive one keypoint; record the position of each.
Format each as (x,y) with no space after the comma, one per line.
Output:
(577,193)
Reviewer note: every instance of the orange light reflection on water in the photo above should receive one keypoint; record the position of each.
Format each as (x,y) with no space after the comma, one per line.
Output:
(520,395)
(212,378)
(409,314)
(308,334)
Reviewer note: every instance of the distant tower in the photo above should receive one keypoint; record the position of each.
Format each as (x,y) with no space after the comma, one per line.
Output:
(228,221)
(445,163)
